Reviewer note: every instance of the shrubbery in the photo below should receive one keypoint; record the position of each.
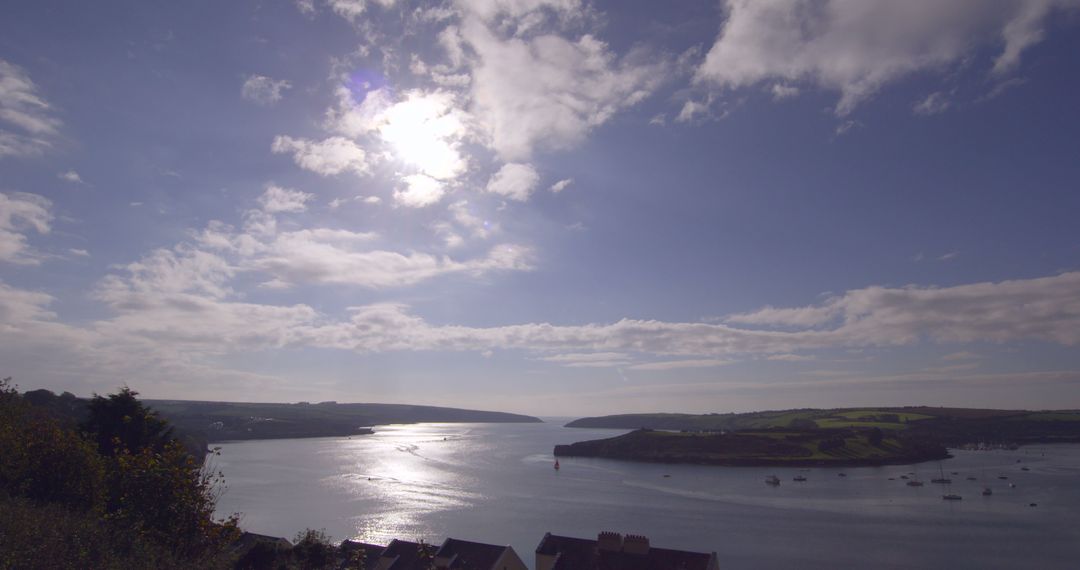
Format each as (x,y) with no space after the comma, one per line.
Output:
(125,493)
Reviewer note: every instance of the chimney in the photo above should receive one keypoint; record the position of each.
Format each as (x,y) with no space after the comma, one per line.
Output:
(636,544)
(609,541)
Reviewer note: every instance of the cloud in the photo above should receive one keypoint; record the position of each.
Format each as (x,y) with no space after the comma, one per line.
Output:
(781,91)
(590,359)
(466,217)
(1044,309)
(949,256)
(278,199)
(962,355)
(306,7)
(934,103)
(328,157)
(264,90)
(353,9)
(25,110)
(790,357)
(79,252)
(419,191)
(535,89)
(70,176)
(422,129)
(333,256)
(561,185)
(679,364)
(514,181)
(20,213)
(856,47)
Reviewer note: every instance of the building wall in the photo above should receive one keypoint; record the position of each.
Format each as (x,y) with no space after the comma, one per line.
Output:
(545,561)
(510,561)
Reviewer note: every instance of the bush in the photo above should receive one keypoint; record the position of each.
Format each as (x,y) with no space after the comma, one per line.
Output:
(124,488)
(44,462)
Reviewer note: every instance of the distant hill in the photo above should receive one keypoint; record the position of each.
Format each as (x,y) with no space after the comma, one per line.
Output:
(221,421)
(948,426)
(772,447)
(198,423)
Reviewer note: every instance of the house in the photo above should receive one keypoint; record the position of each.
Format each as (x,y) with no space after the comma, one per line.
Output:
(457,554)
(453,554)
(369,553)
(612,551)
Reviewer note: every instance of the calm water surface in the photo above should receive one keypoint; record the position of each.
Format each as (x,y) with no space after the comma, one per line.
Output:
(495,483)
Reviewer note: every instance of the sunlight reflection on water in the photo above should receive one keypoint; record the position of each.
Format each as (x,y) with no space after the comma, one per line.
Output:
(495,483)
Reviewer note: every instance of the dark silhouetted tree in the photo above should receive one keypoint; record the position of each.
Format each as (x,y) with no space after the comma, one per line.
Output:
(121,422)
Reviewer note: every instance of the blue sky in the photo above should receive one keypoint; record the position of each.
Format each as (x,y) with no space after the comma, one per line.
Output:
(557,207)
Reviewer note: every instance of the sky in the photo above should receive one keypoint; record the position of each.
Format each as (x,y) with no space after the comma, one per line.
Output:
(554,207)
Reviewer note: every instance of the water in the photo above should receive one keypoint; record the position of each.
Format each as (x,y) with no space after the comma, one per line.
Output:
(495,483)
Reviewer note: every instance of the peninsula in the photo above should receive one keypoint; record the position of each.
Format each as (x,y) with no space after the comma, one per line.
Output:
(841,437)
(223,421)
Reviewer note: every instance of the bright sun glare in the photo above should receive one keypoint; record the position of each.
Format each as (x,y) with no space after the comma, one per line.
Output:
(424,131)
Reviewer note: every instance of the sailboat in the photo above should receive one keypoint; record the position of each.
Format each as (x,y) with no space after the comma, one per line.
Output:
(943,479)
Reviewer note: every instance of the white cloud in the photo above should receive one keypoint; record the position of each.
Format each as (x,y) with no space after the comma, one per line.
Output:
(541,90)
(514,181)
(465,215)
(264,90)
(79,252)
(590,359)
(934,103)
(561,185)
(679,364)
(278,199)
(692,111)
(422,129)
(306,7)
(949,256)
(27,111)
(781,91)
(419,191)
(328,157)
(335,256)
(371,200)
(20,213)
(1045,309)
(70,176)
(790,357)
(962,355)
(856,47)
(353,9)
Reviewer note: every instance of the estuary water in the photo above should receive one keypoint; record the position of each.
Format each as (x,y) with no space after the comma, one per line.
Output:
(495,483)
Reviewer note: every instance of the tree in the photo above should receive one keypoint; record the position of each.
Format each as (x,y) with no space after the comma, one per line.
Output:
(43,461)
(121,422)
(313,549)
(154,486)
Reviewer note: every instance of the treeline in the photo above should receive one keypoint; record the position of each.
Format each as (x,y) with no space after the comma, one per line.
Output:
(115,489)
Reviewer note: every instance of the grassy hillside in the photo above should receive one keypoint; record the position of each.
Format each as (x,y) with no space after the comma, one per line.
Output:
(766,447)
(950,426)
(221,421)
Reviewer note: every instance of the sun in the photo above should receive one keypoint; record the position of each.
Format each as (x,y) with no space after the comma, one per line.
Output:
(425,132)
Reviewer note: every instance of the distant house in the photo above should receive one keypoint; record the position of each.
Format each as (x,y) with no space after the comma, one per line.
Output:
(612,551)
(457,554)
(453,554)
(370,553)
